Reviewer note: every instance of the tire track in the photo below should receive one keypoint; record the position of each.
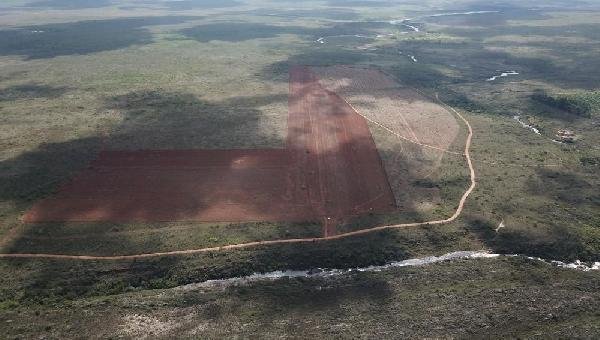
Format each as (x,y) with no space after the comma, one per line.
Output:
(452,218)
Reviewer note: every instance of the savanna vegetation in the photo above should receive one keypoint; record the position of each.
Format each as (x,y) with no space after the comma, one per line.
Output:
(78,76)
(586,104)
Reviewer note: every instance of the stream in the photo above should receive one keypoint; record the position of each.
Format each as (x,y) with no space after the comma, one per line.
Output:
(323,273)
(503,74)
(527,126)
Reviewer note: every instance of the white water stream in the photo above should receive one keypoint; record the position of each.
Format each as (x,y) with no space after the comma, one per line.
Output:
(459,13)
(414,28)
(320,273)
(406,22)
(503,74)
(527,126)
(321,40)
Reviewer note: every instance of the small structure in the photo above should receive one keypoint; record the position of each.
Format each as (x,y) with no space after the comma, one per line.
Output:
(565,136)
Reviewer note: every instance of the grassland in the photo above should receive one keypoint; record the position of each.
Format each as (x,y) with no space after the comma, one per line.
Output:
(76,76)
(483,298)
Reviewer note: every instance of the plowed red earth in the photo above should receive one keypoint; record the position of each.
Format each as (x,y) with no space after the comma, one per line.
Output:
(329,170)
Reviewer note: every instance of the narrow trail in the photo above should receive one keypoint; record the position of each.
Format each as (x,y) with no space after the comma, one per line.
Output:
(374,122)
(456,214)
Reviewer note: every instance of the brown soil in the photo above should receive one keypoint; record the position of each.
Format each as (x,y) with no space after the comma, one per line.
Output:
(412,132)
(182,185)
(329,170)
(452,218)
(405,111)
(333,146)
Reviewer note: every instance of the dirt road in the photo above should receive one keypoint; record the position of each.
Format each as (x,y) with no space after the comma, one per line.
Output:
(456,214)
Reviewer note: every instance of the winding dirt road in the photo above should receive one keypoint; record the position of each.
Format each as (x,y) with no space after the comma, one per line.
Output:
(456,214)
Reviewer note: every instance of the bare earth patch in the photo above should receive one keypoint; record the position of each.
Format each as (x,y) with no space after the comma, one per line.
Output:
(412,132)
(329,170)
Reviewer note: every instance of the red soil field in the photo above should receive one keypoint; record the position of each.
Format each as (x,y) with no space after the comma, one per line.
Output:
(329,170)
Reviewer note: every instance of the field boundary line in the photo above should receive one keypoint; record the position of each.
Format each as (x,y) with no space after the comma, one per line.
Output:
(399,135)
(452,218)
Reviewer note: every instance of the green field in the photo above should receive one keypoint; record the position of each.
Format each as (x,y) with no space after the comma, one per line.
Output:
(79,75)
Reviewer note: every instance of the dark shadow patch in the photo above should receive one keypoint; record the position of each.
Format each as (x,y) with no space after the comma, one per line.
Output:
(548,242)
(48,281)
(186,5)
(309,295)
(350,28)
(13,75)
(566,65)
(552,237)
(167,120)
(37,174)
(510,5)
(82,37)
(363,25)
(325,13)
(152,119)
(7,10)
(279,70)
(132,8)
(31,91)
(421,75)
(482,19)
(359,3)
(230,185)
(237,32)
(54,281)
(70,4)
(477,61)
(565,187)
(482,14)
(460,100)
(589,31)
(242,31)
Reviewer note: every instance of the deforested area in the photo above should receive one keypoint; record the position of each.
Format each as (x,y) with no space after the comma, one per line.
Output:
(164,165)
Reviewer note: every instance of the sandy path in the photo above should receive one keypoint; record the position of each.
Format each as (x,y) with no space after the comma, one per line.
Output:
(456,214)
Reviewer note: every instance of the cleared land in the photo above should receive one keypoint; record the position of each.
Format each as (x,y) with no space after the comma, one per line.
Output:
(402,109)
(417,132)
(330,170)
(151,76)
(330,140)
(180,185)
(329,226)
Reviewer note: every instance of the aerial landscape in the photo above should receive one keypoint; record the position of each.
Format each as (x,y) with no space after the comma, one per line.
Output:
(299,169)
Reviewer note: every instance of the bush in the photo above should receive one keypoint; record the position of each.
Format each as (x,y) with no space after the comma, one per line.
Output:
(590,161)
(586,104)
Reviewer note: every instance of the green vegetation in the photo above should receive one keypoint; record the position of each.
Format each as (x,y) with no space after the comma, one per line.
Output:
(479,298)
(590,161)
(30,282)
(585,104)
(213,74)
(82,37)
(70,4)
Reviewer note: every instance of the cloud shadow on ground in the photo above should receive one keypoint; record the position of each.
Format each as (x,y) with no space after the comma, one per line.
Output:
(186,5)
(69,4)
(81,37)
(31,91)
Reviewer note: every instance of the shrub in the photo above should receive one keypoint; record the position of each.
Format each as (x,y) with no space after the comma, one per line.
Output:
(583,103)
